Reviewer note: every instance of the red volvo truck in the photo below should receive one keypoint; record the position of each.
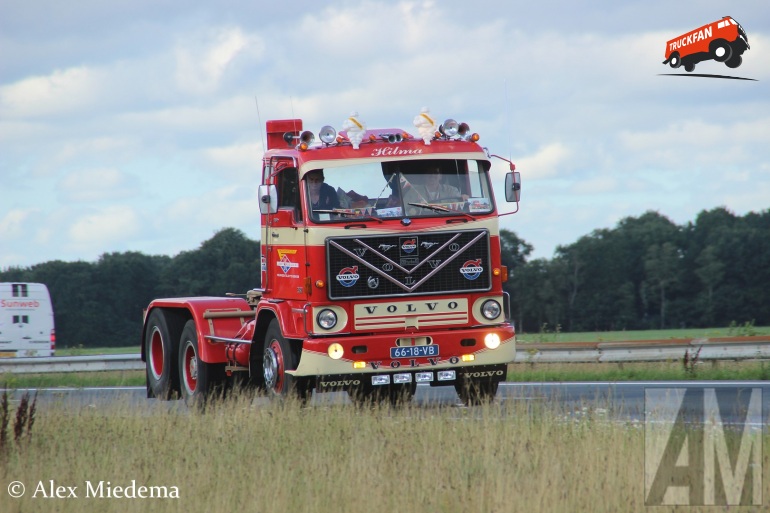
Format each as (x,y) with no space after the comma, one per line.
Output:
(380,269)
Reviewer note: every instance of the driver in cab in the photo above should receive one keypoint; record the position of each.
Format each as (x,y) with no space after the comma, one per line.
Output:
(433,190)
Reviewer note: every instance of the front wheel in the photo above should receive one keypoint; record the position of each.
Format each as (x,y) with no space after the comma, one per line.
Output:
(198,380)
(734,62)
(721,50)
(277,358)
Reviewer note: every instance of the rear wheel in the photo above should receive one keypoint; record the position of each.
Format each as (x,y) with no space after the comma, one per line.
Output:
(198,380)
(277,358)
(674,61)
(689,67)
(161,349)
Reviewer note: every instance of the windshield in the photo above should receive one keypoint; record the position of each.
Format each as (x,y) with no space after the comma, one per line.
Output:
(381,190)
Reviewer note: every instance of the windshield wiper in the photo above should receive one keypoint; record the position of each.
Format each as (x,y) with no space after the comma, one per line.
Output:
(441,208)
(343,212)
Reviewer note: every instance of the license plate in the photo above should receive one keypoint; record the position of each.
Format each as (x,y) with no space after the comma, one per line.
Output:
(414,351)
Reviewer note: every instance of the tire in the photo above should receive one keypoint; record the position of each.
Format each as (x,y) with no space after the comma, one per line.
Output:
(161,336)
(734,62)
(277,358)
(689,67)
(720,50)
(473,392)
(198,380)
(675,61)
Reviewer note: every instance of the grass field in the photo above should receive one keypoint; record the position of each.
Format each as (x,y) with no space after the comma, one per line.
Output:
(241,457)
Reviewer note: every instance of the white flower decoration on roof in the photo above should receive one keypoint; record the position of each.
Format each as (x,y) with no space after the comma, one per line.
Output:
(355,128)
(425,125)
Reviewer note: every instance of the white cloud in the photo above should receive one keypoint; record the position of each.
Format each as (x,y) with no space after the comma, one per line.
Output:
(61,91)
(105,226)
(201,61)
(548,161)
(237,161)
(13,222)
(225,206)
(102,184)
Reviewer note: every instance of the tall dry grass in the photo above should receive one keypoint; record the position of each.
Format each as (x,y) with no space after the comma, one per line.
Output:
(239,456)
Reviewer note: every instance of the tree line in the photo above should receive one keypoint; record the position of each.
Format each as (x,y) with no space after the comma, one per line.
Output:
(646,272)
(100,304)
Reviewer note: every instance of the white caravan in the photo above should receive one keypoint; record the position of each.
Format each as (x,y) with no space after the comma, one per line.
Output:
(26,320)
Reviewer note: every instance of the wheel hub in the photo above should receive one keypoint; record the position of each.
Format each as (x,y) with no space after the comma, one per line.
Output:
(194,368)
(270,364)
(156,354)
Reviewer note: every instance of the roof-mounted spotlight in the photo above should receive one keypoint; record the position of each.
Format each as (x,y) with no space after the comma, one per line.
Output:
(327,134)
(449,128)
(288,137)
(464,131)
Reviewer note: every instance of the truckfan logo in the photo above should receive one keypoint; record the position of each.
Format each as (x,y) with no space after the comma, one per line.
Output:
(472,269)
(348,276)
(722,41)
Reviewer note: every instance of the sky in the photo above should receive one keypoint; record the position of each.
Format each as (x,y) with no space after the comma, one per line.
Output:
(138,125)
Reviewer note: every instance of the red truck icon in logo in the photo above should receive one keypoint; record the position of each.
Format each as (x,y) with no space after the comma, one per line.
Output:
(723,41)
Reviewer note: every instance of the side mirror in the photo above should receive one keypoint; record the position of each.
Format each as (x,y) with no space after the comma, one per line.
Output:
(268,199)
(513,186)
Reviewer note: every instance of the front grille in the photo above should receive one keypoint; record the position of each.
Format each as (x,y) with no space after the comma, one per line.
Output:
(399,265)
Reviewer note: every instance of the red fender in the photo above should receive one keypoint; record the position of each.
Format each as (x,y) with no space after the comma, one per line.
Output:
(213,316)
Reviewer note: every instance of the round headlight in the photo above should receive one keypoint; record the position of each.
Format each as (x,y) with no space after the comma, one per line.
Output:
(335,351)
(492,340)
(491,309)
(326,319)
(450,127)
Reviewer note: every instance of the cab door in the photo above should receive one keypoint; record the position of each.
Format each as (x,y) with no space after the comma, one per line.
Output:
(284,253)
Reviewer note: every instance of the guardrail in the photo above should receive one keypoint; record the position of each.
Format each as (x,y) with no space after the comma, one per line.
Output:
(694,350)
(701,349)
(91,363)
